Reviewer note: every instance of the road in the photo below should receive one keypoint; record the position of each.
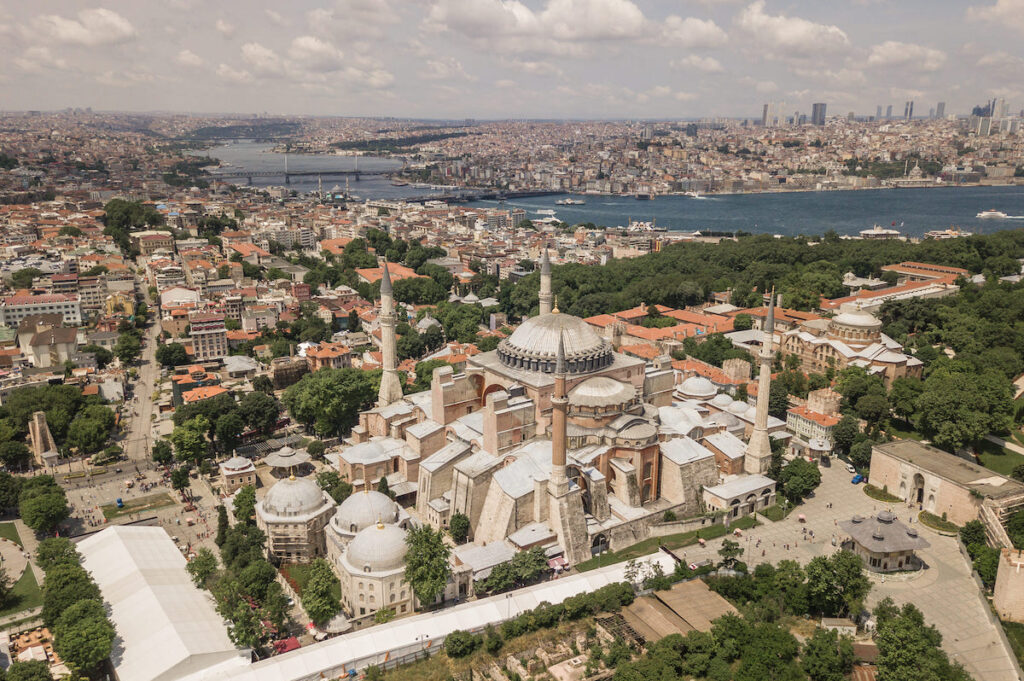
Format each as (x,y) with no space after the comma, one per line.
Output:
(137,443)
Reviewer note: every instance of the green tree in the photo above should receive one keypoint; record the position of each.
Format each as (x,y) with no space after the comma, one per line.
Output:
(458,526)
(903,396)
(316,449)
(330,400)
(102,355)
(33,670)
(742,322)
(332,483)
(461,644)
(172,355)
(189,444)
(383,488)
(15,455)
(836,585)
(826,656)
(973,532)
(229,430)
(65,585)
(83,636)
(259,411)
(845,433)
(127,347)
(23,278)
(202,566)
(799,478)
(162,453)
(263,384)
(223,525)
(959,407)
(318,597)
(179,478)
(245,504)
(10,490)
(426,563)
(778,400)
(42,503)
(860,454)
(54,551)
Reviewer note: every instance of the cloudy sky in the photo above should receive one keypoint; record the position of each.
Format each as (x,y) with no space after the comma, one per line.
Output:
(509,58)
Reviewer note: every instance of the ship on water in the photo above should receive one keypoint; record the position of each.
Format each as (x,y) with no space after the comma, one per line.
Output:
(638,226)
(992,214)
(569,201)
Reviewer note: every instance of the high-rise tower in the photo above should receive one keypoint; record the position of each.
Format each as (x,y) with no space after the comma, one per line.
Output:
(758,456)
(546,297)
(390,386)
(818,114)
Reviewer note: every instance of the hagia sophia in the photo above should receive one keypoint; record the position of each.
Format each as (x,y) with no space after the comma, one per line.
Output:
(554,440)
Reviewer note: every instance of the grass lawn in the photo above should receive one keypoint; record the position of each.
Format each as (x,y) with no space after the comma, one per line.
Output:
(880,495)
(146,503)
(10,531)
(998,459)
(672,541)
(300,573)
(1015,635)
(903,430)
(777,512)
(937,523)
(25,594)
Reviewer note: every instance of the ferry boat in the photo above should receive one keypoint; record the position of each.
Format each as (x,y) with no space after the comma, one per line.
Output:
(693,195)
(951,233)
(637,226)
(991,214)
(569,201)
(546,211)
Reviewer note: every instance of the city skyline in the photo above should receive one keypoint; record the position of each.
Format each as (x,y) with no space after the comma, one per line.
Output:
(496,59)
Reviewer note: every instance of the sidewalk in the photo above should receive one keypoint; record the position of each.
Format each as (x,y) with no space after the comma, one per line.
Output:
(1012,446)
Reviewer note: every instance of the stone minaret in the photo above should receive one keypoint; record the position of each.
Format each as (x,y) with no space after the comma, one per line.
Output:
(758,456)
(559,406)
(566,515)
(390,386)
(546,296)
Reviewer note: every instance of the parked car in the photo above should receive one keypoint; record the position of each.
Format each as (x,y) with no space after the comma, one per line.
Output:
(850,468)
(857,479)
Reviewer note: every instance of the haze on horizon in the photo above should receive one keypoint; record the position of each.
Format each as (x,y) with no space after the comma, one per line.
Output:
(510,58)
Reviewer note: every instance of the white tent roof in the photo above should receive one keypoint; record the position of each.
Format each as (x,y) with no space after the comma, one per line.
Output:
(375,645)
(167,628)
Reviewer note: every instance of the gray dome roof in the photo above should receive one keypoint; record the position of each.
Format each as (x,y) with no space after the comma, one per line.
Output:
(859,319)
(739,407)
(363,509)
(722,401)
(601,391)
(379,547)
(534,344)
(698,386)
(295,496)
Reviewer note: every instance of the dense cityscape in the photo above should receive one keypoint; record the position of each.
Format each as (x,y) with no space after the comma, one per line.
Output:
(294,396)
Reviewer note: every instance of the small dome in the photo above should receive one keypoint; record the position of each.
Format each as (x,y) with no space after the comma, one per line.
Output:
(471,298)
(858,319)
(886,517)
(722,401)
(601,391)
(363,509)
(739,408)
(237,463)
(534,345)
(878,534)
(698,387)
(295,496)
(379,547)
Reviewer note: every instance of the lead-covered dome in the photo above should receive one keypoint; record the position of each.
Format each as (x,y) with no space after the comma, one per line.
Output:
(378,548)
(698,387)
(858,319)
(363,509)
(295,497)
(534,345)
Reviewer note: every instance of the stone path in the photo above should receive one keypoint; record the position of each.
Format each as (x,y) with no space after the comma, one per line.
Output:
(945,590)
(1012,446)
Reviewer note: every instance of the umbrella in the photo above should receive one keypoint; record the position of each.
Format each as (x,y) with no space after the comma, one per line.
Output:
(801,517)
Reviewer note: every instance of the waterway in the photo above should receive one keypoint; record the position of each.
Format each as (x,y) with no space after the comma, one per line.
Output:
(912,211)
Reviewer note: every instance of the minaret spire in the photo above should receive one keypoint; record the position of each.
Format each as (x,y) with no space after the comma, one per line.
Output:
(758,455)
(390,386)
(559,403)
(546,296)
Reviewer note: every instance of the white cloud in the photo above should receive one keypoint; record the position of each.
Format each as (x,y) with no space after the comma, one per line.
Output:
(263,60)
(276,18)
(766,87)
(535,68)
(353,18)
(36,59)
(189,58)
(693,33)
(312,53)
(695,62)
(505,83)
(1004,12)
(446,68)
(233,75)
(98,26)
(659,91)
(224,28)
(1001,60)
(906,55)
(685,96)
(790,36)
(124,79)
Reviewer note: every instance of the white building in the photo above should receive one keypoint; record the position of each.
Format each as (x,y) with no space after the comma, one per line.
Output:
(15,308)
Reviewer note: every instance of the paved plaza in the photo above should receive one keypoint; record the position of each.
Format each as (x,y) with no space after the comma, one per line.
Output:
(945,591)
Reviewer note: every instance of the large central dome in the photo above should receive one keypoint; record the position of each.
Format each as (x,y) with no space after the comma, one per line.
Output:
(534,345)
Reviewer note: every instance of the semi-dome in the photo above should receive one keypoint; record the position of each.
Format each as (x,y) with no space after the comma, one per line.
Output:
(295,496)
(534,345)
(601,391)
(698,387)
(363,509)
(378,548)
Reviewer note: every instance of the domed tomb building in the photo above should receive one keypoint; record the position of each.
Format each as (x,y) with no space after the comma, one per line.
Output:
(372,572)
(360,510)
(293,515)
